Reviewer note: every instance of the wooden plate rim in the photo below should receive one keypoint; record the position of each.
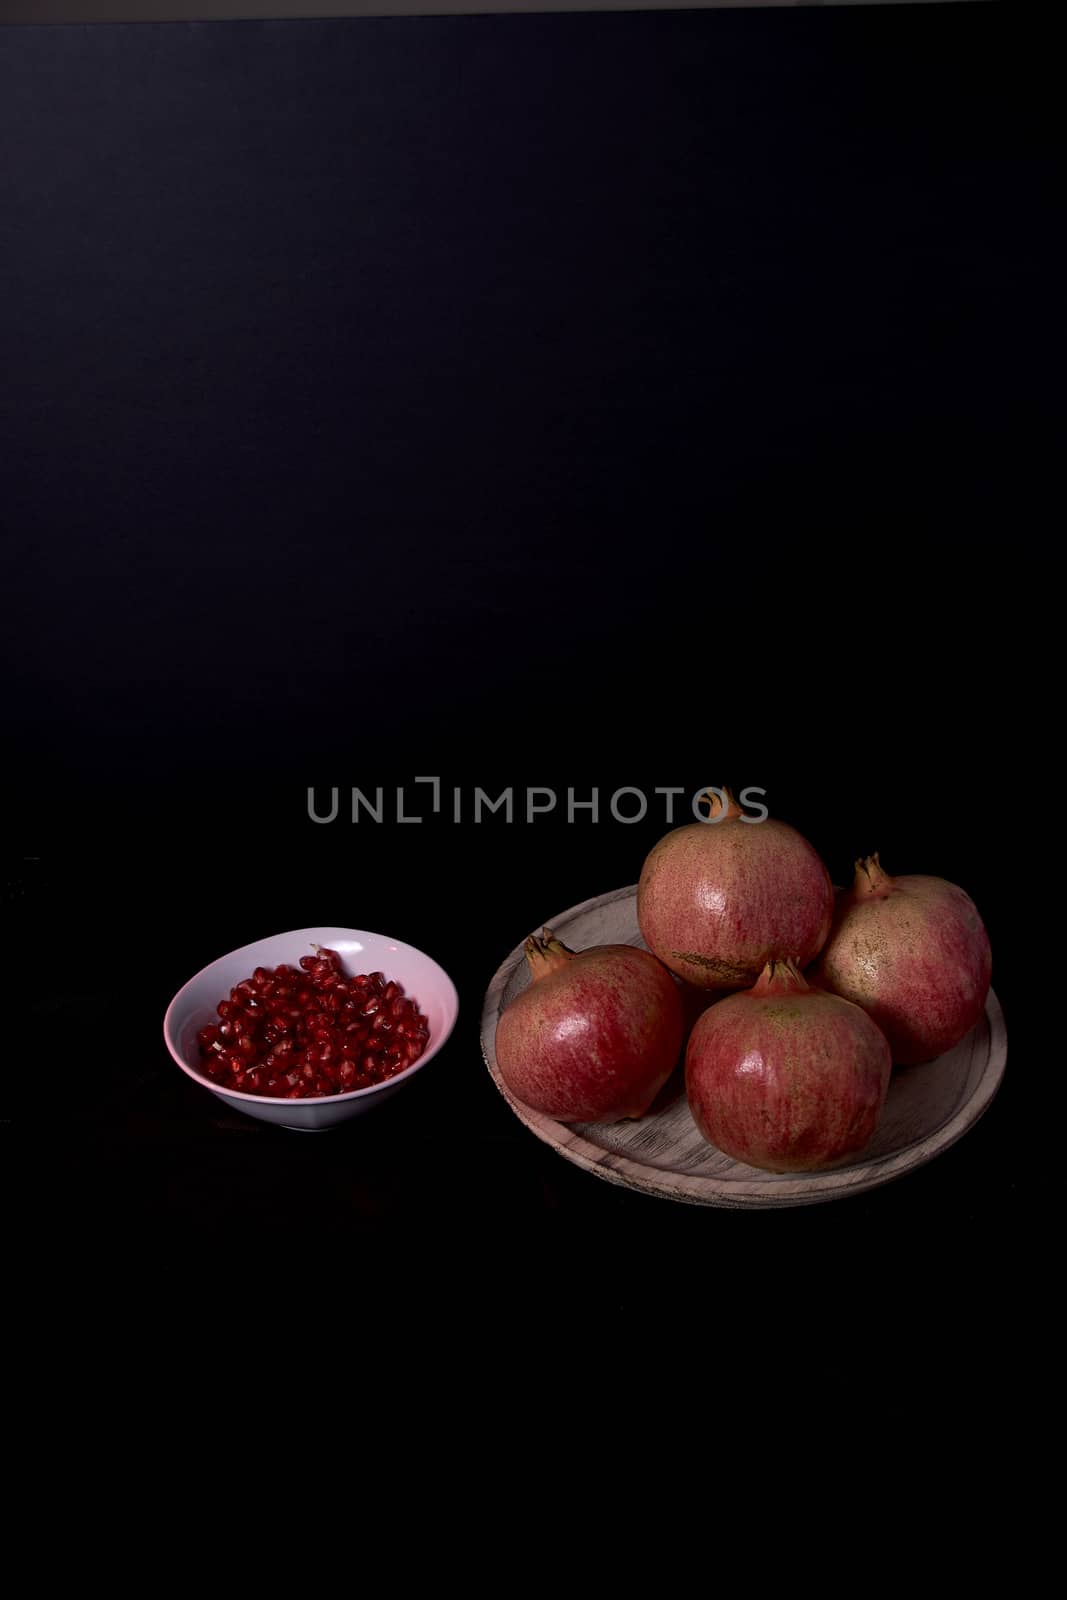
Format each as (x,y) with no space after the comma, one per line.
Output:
(696,1189)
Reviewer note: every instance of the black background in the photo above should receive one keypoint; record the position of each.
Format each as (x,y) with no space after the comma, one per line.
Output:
(589,400)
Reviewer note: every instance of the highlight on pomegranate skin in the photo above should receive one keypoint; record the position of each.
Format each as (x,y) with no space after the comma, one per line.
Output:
(595,1036)
(299,1033)
(786,1077)
(914,953)
(718,899)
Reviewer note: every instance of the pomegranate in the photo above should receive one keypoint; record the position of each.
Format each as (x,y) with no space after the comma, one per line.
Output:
(595,1036)
(787,1077)
(718,899)
(914,954)
(295,1034)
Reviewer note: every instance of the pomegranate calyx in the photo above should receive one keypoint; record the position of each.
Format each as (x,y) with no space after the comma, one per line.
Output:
(781,976)
(546,954)
(716,810)
(871,879)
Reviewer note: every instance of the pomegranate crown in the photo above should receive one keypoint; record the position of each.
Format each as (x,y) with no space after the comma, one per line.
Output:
(721,805)
(781,975)
(871,878)
(546,954)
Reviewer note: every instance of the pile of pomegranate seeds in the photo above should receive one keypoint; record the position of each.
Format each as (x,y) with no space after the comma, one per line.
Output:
(296,1033)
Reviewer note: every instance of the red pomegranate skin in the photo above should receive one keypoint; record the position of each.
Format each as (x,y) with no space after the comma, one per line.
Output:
(914,953)
(595,1036)
(786,1077)
(717,900)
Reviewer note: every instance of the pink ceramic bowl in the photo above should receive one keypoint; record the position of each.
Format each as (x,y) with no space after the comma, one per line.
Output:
(193,1007)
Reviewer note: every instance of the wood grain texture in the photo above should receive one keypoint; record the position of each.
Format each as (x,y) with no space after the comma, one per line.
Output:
(928,1108)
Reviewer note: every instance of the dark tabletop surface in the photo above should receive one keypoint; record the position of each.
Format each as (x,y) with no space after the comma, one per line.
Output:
(636,399)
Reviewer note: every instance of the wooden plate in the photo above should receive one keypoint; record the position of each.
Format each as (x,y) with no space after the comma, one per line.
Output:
(928,1108)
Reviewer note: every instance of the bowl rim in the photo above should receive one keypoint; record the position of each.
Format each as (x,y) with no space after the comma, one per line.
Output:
(433,1046)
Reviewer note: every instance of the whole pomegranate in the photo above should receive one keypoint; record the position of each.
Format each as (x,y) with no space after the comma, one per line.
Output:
(595,1036)
(913,952)
(786,1077)
(718,899)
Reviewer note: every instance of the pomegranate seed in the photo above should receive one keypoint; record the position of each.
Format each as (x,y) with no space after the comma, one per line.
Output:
(296,1032)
